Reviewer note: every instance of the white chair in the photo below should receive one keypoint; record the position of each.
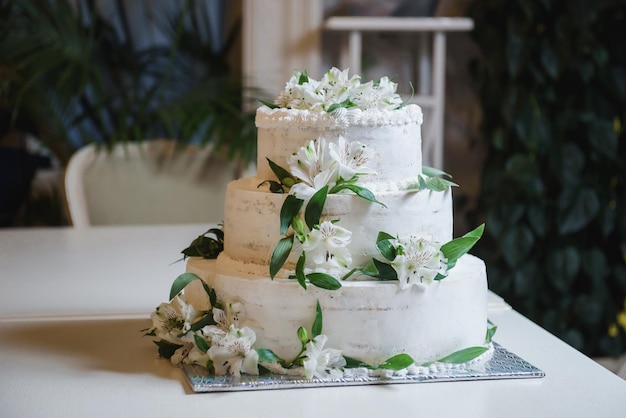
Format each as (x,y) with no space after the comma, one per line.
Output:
(150,182)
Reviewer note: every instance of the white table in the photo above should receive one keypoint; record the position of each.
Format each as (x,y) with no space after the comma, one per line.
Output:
(73,302)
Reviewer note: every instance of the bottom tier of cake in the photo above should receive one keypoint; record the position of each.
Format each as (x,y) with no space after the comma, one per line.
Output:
(367,320)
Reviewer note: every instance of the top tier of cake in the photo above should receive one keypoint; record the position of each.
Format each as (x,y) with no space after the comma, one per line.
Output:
(394,136)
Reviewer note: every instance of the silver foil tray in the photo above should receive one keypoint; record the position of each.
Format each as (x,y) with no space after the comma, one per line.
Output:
(502,365)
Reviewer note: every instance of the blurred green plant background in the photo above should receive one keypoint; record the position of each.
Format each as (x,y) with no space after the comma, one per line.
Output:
(553,92)
(74,72)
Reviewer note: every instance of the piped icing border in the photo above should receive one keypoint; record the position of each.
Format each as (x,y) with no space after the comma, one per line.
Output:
(281,118)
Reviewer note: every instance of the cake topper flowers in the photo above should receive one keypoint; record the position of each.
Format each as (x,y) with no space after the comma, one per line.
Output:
(336,90)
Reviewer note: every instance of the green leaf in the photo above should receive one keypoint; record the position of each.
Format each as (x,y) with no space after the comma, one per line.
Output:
(345,104)
(383,236)
(207,247)
(181,282)
(166,348)
(324,281)
(436,184)
(314,208)
(300,270)
(491,331)
(280,254)
(567,262)
(463,356)
(456,248)
(316,329)
(275,187)
(281,173)
(579,213)
(352,363)
(201,343)
(203,322)
(397,362)
(386,249)
(359,191)
(290,208)
(268,356)
(304,78)
(379,270)
(268,104)
(434,172)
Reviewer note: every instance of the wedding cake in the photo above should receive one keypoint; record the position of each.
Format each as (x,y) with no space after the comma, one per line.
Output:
(337,254)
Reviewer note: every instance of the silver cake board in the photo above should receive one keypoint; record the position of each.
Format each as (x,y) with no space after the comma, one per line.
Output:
(502,365)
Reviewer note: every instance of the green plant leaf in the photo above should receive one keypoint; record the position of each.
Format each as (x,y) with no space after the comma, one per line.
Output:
(268,104)
(181,282)
(386,249)
(491,331)
(314,208)
(201,343)
(275,187)
(166,348)
(456,248)
(352,363)
(316,329)
(345,104)
(324,281)
(290,208)
(280,173)
(379,270)
(268,356)
(567,262)
(464,355)
(436,184)
(362,192)
(434,172)
(206,246)
(280,254)
(397,362)
(577,214)
(207,319)
(300,270)
(304,78)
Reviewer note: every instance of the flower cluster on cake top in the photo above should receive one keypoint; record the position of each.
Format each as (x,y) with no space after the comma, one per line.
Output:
(336,90)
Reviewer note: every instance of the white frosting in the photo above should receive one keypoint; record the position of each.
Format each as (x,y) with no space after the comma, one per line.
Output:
(369,321)
(252,222)
(393,135)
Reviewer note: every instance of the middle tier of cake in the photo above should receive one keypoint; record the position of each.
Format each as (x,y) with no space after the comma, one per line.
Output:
(252,222)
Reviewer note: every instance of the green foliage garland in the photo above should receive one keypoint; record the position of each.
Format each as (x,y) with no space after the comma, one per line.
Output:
(553,91)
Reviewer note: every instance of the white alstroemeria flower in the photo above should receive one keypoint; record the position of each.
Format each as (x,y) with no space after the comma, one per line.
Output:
(306,96)
(180,355)
(336,86)
(312,165)
(168,323)
(234,313)
(418,261)
(381,95)
(323,363)
(188,313)
(232,353)
(353,158)
(197,356)
(327,246)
